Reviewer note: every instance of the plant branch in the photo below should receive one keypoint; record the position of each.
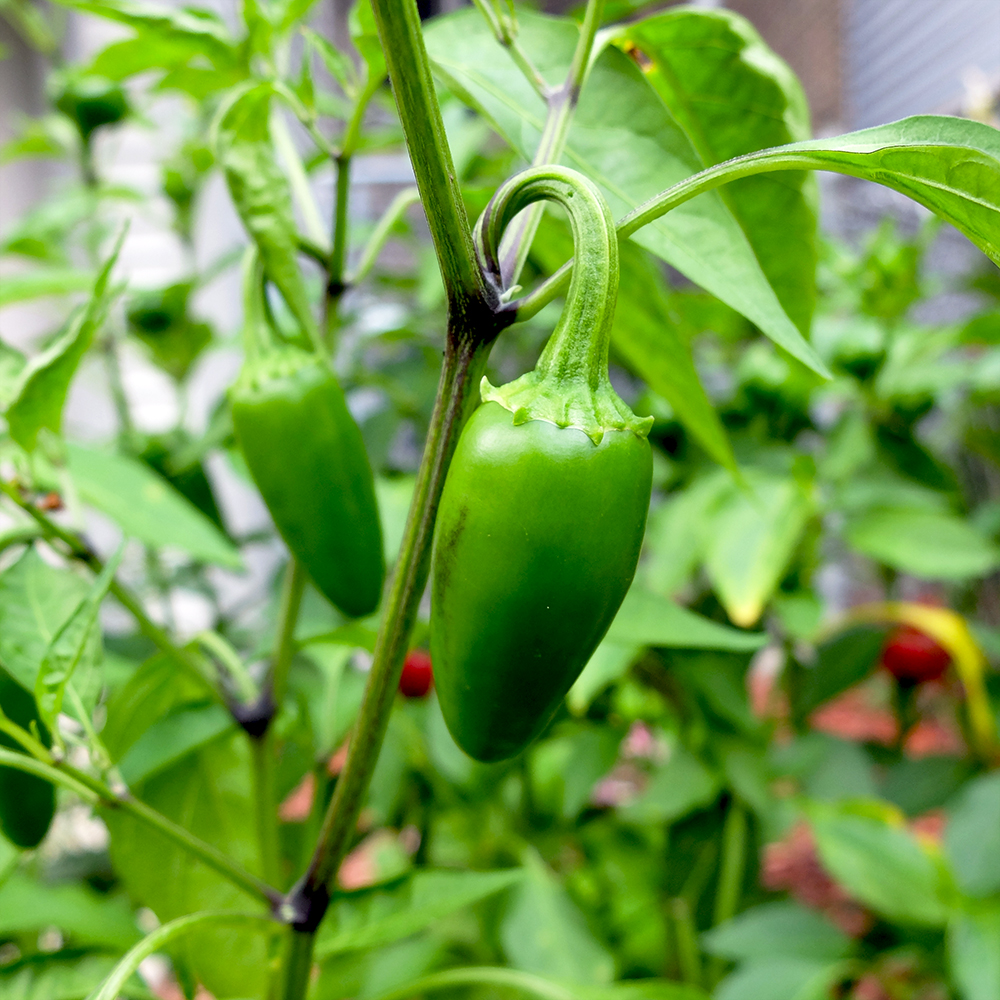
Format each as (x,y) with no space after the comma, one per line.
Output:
(562,104)
(380,234)
(96,792)
(292,588)
(505,30)
(410,73)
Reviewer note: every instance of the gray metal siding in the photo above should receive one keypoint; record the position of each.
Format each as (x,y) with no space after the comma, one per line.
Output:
(907,57)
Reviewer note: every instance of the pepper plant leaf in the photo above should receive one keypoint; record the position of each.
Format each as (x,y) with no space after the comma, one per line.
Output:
(732,95)
(71,645)
(45,379)
(625,140)
(146,506)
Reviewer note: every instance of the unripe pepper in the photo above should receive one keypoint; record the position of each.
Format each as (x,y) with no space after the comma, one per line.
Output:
(92,102)
(308,459)
(544,507)
(27,802)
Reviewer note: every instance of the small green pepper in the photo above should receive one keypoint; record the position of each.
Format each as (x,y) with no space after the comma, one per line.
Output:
(544,506)
(308,459)
(27,802)
(92,102)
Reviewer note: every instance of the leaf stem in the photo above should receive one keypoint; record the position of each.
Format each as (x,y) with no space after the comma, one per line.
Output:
(380,234)
(96,792)
(658,206)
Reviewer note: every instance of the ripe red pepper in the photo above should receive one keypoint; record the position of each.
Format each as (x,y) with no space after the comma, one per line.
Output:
(913,657)
(418,675)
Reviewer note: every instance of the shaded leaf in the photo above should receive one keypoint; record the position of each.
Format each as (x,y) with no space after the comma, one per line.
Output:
(146,506)
(783,929)
(677,788)
(209,793)
(171,738)
(46,377)
(544,932)
(780,979)
(84,916)
(72,644)
(880,864)
(387,916)
(974,953)
(35,600)
(750,541)
(972,836)
(647,619)
(932,545)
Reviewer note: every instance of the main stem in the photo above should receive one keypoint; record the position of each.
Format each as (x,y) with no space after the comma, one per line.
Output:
(465,359)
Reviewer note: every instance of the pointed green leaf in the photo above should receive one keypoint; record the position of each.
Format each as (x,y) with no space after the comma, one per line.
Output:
(44,381)
(146,506)
(625,140)
(732,95)
(36,599)
(35,284)
(391,915)
(750,540)
(70,645)
(647,619)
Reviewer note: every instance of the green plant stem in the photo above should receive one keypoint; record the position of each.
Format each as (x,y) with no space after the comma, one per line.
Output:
(731,871)
(688,957)
(95,791)
(506,35)
(218,647)
(154,942)
(464,363)
(79,550)
(734,852)
(292,589)
(380,234)
(299,179)
(266,805)
(437,180)
(562,103)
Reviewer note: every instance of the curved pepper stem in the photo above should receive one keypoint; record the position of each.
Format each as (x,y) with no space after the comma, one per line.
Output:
(569,386)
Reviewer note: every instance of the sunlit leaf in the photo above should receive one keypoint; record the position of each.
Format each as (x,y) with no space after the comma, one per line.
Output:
(732,94)
(625,140)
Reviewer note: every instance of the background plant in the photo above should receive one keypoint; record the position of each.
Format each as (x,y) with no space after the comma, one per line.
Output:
(625,843)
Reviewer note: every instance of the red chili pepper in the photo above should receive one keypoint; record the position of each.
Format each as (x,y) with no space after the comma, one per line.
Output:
(417,676)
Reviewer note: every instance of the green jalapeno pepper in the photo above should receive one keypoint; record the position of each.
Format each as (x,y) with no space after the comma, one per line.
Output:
(544,506)
(27,802)
(307,458)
